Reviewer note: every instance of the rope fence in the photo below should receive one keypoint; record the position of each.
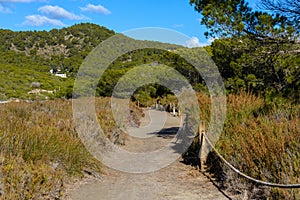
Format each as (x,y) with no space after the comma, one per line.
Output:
(241,173)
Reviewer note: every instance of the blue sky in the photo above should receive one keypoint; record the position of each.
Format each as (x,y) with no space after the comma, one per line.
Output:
(119,15)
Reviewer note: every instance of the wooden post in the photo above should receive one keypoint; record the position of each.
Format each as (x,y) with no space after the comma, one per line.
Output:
(204,150)
(174,111)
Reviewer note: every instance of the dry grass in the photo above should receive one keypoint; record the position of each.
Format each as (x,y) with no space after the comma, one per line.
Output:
(261,141)
(40,148)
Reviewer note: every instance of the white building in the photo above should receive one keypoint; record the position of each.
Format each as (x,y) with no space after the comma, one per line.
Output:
(58,74)
(61,75)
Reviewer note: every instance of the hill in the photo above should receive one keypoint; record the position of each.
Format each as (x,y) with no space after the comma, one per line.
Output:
(28,56)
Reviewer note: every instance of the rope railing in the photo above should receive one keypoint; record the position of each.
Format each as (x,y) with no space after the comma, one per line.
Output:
(245,175)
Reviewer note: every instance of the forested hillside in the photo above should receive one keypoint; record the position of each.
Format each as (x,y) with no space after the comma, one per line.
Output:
(26,57)
(61,49)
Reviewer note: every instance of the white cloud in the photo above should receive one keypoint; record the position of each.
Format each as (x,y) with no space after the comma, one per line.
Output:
(57,12)
(96,9)
(210,40)
(38,20)
(193,42)
(4,9)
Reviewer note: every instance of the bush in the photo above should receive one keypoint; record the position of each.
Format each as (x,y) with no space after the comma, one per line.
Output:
(39,149)
(260,140)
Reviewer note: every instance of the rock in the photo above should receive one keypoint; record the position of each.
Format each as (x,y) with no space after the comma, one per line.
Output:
(35,84)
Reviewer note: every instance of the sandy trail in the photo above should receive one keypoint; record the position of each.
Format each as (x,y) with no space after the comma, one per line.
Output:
(174,182)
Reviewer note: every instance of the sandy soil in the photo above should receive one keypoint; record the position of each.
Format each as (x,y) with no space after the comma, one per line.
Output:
(174,182)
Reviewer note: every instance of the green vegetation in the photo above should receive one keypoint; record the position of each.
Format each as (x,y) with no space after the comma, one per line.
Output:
(267,69)
(19,83)
(260,66)
(29,56)
(235,18)
(62,49)
(257,51)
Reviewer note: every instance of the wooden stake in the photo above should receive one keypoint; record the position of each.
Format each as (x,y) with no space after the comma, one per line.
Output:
(204,150)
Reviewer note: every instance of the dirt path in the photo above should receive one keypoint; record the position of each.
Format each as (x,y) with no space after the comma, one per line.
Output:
(174,182)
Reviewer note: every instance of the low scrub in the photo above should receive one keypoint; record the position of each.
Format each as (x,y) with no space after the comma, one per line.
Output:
(261,140)
(40,149)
